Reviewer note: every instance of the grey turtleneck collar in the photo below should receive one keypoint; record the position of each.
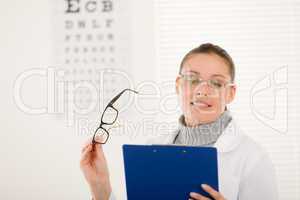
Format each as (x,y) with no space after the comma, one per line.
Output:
(204,134)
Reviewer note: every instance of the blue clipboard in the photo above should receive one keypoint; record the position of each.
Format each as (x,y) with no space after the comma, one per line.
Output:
(163,172)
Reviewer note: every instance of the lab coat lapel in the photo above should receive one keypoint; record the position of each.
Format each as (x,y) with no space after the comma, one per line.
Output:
(229,139)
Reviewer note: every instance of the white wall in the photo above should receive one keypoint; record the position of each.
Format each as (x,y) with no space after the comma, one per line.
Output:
(39,156)
(40,153)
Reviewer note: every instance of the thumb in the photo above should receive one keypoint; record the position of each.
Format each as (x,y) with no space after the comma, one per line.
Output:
(98,149)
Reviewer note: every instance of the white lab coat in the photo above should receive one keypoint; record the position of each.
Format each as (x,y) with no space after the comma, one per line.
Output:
(244,167)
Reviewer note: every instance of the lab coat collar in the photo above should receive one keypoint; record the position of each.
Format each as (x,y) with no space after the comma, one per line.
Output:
(230,138)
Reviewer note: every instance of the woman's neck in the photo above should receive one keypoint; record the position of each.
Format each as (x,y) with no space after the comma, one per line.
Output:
(202,134)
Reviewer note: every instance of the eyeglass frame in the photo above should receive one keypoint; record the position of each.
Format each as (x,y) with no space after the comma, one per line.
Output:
(109,105)
(200,81)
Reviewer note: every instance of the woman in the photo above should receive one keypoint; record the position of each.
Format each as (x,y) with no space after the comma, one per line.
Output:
(205,85)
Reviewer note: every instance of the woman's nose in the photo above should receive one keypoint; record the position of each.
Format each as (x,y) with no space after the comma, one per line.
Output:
(203,89)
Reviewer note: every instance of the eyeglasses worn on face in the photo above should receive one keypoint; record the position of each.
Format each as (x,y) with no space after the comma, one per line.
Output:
(108,117)
(194,80)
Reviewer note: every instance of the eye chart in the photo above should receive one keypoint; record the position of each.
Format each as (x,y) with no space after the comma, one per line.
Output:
(91,48)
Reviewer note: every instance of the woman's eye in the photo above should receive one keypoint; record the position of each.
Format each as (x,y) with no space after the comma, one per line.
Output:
(194,81)
(190,78)
(216,83)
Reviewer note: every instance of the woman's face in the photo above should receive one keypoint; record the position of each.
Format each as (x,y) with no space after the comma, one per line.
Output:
(204,101)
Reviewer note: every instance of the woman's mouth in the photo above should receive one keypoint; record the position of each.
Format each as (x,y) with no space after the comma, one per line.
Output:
(201,104)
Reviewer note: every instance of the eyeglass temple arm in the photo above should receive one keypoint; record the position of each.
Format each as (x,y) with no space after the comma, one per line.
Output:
(115,99)
(119,95)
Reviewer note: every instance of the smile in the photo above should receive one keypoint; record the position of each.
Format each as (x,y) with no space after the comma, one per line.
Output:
(201,104)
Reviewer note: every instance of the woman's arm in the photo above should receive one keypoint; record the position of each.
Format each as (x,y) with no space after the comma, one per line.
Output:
(95,170)
(260,182)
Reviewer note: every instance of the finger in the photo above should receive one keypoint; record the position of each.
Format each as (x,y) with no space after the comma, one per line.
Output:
(98,145)
(86,144)
(86,154)
(197,196)
(98,148)
(99,138)
(215,194)
(84,148)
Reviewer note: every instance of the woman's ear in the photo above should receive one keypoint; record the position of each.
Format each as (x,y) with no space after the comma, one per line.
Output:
(177,84)
(230,94)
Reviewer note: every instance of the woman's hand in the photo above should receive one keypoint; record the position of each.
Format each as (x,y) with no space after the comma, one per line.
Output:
(95,170)
(215,194)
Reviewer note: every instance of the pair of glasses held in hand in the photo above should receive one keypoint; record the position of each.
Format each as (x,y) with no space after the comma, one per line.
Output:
(108,117)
